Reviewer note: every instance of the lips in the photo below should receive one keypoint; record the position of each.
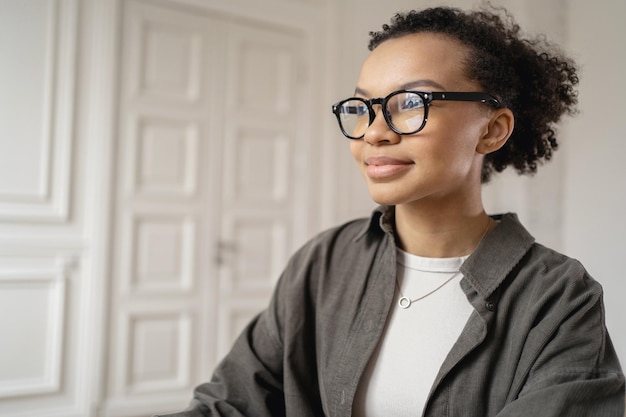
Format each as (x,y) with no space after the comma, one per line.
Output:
(385,160)
(383,167)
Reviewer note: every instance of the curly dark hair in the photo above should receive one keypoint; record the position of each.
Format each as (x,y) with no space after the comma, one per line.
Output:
(531,77)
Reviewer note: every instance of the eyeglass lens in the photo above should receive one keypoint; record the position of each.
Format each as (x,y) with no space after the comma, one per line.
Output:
(404,111)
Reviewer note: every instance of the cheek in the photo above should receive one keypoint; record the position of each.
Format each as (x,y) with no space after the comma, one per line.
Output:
(449,153)
(356,149)
(458,137)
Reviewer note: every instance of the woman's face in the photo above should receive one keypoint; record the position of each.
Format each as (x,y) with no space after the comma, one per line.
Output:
(439,163)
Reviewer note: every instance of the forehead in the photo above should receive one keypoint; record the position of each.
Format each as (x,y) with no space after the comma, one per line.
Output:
(412,58)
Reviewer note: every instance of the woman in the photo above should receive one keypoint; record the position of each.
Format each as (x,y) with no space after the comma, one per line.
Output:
(431,307)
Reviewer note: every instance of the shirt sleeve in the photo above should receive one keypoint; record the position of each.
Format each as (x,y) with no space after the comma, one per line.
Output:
(575,371)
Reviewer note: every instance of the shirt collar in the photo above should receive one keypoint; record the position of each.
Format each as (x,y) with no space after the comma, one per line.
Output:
(381,220)
(496,256)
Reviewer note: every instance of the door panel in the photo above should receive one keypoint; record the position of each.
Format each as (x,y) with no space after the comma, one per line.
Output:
(204,202)
(163,223)
(261,144)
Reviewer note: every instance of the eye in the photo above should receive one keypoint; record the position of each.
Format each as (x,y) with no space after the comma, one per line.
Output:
(411,102)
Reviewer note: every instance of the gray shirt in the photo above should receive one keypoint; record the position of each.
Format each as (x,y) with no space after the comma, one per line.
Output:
(535,345)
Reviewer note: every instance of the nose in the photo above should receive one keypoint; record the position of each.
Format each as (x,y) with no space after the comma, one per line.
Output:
(379,132)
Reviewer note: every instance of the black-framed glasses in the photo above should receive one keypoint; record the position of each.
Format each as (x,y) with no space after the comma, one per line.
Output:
(405,111)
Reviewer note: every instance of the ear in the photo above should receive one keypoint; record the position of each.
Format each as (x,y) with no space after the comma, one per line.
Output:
(497,132)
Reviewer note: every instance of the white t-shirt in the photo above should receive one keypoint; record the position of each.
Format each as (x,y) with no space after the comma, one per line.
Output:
(416,340)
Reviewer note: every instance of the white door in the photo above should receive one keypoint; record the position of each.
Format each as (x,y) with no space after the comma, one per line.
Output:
(209,193)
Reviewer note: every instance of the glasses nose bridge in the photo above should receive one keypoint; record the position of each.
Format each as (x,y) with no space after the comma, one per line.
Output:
(371,102)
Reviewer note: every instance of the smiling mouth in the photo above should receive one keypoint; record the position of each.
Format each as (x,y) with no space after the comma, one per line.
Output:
(382,167)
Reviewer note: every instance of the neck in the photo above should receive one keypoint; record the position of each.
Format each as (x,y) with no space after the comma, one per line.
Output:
(441,233)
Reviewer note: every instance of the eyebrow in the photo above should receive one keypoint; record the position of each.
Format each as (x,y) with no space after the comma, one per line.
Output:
(407,86)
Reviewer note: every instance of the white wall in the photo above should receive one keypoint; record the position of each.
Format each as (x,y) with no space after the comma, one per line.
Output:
(595,182)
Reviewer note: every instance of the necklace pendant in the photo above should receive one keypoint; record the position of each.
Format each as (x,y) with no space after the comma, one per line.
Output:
(404,302)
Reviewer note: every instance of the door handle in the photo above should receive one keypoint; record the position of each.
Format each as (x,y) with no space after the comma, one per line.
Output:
(224,250)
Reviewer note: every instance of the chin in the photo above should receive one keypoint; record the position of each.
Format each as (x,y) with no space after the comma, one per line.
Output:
(385,200)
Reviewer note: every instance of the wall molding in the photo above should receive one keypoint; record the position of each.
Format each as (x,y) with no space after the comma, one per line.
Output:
(50,202)
(49,275)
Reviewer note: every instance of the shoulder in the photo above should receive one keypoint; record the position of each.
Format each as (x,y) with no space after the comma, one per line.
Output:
(543,277)
(339,259)
(557,273)
(510,259)
(352,237)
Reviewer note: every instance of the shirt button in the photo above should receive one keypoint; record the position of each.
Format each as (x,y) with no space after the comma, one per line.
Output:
(490,306)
